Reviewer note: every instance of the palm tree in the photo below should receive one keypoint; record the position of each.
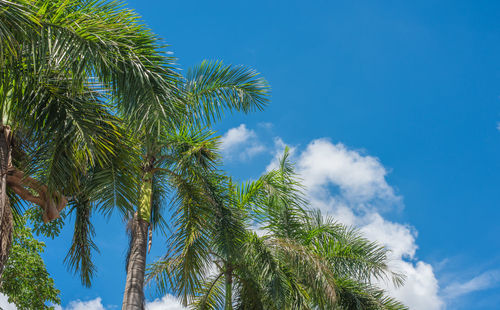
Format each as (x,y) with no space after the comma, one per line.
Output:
(303,261)
(306,240)
(207,91)
(68,69)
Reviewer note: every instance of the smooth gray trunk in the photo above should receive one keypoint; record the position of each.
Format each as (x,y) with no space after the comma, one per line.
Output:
(6,220)
(133,298)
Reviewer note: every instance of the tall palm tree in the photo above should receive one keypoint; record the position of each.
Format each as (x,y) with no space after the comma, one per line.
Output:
(307,240)
(303,261)
(68,69)
(208,90)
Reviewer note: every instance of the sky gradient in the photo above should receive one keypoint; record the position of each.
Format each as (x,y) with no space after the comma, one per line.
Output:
(392,109)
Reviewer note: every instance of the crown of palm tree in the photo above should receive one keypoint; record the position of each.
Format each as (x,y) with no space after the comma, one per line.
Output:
(304,260)
(79,80)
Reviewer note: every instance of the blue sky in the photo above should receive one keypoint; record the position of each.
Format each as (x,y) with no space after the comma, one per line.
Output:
(392,108)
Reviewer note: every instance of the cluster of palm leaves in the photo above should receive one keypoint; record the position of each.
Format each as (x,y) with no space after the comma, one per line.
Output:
(71,73)
(95,116)
(258,246)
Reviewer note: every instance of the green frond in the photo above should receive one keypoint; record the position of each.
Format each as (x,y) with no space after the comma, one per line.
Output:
(159,202)
(312,271)
(79,257)
(16,21)
(213,87)
(190,242)
(190,148)
(161,273)
(358,295)
(347,251)
(210,295)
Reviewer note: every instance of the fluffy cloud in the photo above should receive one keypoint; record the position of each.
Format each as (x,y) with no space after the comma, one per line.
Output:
(240,142)
(398,237)
(236,136)
(359,178)
(168,302)
(5,304)
(352,187)
(421,287)
(95,304)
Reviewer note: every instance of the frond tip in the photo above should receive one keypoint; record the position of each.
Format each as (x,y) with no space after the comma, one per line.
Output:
(79,257)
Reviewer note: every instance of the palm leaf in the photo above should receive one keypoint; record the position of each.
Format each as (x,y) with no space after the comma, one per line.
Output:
(213,87)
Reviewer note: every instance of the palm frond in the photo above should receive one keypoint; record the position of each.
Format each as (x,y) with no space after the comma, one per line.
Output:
(312,271)
(79,257)
(264,274)
(210,295)
(348,253)
(159,202)
(359,295)
(213,87)
(16,22)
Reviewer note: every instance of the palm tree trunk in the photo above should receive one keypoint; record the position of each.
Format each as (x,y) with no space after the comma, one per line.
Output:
(133,298)
(229,288)
(6,221)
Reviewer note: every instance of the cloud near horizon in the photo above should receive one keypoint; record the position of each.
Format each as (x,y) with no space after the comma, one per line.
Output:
(168,302)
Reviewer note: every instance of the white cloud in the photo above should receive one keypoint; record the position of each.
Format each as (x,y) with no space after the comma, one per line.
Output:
(421,287)
(94,304)
(352,187)
(397,237)
(359,178)
(266,125)
(483,281)
(254,150)
(5,304)
(168,302)
(240,142)
(236,136)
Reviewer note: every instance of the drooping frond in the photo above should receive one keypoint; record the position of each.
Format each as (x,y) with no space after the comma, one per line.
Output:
(263,274)
(159,202)
(312,271)
(16,21)
(116,183)
(192,204)
(79,257)
(79,147)
(210,295)
(360,296)
(348,253)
